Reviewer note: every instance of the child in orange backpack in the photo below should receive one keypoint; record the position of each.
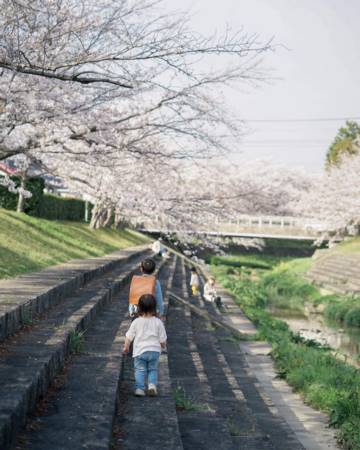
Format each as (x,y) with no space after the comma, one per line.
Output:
(145,284)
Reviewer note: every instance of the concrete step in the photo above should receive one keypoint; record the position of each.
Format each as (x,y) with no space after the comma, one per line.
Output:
(83,411)
(24,297)
(337,272)
(328,285)
(326,276)
(346,271)
(200,424)
(338,285)
(148,423)
(31,359)
(353,287)
(251,419)
(329,276)
(342,276)
(334,266)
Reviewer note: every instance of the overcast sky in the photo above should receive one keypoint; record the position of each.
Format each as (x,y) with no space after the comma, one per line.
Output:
(319,76)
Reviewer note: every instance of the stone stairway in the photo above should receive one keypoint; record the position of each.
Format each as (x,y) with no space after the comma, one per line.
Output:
(52,399)
(65,304)
(206,365)
(148,423)
(336,272)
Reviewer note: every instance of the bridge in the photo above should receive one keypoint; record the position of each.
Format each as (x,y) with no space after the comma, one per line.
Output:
(246,226)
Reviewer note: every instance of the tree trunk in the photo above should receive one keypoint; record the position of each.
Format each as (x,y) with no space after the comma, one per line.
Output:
(101,217)
(21,200)
(96,213)
(119,222)
(108,217)
(87,212)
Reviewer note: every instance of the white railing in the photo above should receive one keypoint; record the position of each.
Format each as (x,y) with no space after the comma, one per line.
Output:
(247,222)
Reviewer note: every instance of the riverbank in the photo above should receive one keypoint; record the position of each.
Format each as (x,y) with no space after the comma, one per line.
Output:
(325,382)
(29,244)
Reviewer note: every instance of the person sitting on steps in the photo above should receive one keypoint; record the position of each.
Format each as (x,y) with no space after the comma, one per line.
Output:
(210,293)
(149,337)
(157,247)
(145,284)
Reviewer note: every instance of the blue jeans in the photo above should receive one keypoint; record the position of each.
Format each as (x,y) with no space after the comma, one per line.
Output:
(146,364)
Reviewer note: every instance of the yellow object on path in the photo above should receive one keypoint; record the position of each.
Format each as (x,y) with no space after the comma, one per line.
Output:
(194,290)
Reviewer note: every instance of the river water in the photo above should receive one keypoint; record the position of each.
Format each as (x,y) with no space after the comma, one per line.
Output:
(345,341)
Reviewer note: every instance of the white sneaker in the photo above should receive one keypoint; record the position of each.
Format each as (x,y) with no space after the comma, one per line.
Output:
(152,391)
(139,393)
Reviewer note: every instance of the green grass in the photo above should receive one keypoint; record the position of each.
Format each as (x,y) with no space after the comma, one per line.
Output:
(282,285)
(185,403)
(344,310)
(248,261)
(76,342)
(325,382)
(29,244)
(348,246)
(285,288)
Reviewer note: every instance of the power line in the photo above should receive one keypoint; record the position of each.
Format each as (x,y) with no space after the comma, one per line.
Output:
(317,119)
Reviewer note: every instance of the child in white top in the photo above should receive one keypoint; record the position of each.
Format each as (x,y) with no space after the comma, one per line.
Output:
(149,336)
(194,282)
(210,293)
(210,290)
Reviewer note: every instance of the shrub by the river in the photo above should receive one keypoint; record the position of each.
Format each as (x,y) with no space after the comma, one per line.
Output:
(287,290)
(251,261)
(344,309)
(352,317)
(284,288)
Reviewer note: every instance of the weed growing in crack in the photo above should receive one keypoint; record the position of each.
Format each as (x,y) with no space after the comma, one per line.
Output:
(185,403)
(233,428)
(26,318)
(76,341)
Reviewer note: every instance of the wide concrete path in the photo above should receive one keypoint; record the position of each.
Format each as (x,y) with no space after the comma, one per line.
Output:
(215,392)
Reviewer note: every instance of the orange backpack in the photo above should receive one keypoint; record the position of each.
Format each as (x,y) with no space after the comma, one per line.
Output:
(141,285)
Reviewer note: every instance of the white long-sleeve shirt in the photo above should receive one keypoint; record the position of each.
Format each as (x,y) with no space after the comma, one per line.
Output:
(194,280)
(147,334)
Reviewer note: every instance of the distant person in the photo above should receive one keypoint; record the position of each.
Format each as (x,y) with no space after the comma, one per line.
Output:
(158,248)
(146,283)
(148,335)
(194,282)
(210,293)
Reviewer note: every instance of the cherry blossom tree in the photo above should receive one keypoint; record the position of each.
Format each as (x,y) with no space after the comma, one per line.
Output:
(99,70)
(176,195)
(334,201)
(113,97)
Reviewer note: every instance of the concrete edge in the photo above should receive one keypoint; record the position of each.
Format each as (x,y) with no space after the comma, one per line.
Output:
(23,297)
(11,424)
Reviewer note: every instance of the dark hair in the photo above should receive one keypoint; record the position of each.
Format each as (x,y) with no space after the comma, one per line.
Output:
(148,266)
(147,305)
(193,269)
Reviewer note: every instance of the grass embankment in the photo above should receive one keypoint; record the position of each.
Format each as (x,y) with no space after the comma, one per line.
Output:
(286,288)
(325,382)
(28,244)
(349,246)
